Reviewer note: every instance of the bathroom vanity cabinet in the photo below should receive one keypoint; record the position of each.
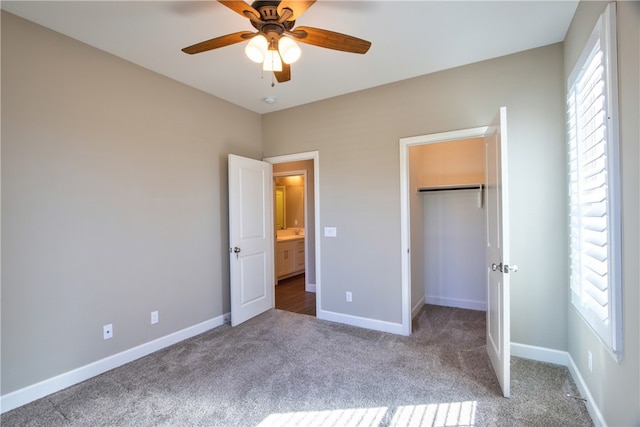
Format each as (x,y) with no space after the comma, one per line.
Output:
(289,257)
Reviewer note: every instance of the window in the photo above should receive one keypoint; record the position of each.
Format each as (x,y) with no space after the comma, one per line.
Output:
(594,184)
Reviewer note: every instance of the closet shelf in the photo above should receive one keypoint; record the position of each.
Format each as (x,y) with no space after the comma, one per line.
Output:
(451,187)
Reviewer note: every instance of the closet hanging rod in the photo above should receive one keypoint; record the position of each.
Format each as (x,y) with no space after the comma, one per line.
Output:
(451,188)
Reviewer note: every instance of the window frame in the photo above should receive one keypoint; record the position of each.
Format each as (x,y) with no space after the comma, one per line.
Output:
(603,37)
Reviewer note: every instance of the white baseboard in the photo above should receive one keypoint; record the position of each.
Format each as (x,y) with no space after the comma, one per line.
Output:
(563,358)
(310,287)
(540,354)
(36,391)
(417,308)
(362,322)
(458,303)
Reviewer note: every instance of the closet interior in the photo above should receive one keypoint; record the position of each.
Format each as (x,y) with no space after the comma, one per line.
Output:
(448,224)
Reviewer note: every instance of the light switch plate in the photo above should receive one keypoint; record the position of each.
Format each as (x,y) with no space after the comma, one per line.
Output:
(330,232)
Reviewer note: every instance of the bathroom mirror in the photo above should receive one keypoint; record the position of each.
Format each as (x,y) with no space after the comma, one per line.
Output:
(289,201)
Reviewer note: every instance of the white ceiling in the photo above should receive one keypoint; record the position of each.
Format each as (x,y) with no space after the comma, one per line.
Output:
(409,38)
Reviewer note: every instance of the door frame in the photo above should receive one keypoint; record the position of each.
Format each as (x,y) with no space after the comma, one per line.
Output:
(405,211)
(296,157)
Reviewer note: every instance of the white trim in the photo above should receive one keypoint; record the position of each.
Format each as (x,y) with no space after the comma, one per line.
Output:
(455,302)
(405,231)
(315,156)
(405,238)
(445,136)
(51,385)
(540,354)
(361,322)
(558,357)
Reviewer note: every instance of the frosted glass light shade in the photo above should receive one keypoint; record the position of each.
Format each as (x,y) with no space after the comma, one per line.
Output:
(257,48)
(289,50)
(272,61)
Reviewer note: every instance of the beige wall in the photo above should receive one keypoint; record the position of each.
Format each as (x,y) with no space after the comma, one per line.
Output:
(357,136)
(114,203)
(615,386)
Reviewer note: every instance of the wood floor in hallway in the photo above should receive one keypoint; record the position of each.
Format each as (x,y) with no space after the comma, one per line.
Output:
(291,296)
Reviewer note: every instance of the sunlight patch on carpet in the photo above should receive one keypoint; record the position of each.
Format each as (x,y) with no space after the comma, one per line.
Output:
(453,414)
(339,417)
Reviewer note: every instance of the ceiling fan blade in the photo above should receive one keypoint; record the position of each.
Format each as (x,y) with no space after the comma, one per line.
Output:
(242,8)
(218,42)
(284,75)
(298,7)
(330,40)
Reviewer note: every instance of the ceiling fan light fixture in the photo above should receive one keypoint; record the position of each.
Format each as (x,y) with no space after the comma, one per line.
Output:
(257,48)
(272,61)
(289,50)
(273,19)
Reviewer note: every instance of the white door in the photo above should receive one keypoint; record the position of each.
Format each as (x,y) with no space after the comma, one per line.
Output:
(497,254)
(250,238)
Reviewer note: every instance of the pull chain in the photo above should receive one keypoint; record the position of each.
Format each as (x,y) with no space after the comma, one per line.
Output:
(273,82)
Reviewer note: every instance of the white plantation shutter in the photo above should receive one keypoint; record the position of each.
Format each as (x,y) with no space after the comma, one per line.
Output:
(594,222)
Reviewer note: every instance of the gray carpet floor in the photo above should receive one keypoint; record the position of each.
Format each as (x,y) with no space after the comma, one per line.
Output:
(282,368)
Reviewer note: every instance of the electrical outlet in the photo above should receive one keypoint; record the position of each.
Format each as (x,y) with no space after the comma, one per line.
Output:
(154,317)
(349,297)
(590,360)
(107,331)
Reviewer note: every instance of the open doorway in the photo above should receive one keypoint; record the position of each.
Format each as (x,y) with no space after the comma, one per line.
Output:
(291,219)
(296,246)
(413,215)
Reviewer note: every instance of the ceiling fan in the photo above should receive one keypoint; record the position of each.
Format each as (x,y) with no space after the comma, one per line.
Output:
(273,44)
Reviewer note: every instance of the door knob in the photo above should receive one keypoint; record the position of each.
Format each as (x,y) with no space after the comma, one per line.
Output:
(504,268)
(236,250)
(510,268)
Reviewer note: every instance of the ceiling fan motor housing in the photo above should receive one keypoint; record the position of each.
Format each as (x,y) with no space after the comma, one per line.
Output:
(270,8)
(269,18)
(270,23)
